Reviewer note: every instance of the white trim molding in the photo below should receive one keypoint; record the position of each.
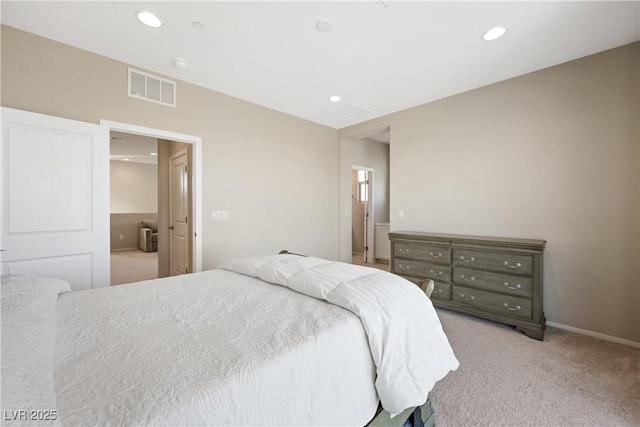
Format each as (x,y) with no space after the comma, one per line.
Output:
(605,337)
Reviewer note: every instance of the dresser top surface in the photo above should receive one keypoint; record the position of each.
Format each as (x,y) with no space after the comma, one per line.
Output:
(535,244)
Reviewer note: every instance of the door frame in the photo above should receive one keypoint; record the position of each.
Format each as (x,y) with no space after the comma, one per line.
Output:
(370,236)
(196,178)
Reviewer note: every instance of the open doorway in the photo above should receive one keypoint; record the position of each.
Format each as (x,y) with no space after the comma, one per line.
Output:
(133,166)
(362,213)
(150,208)
(188,181)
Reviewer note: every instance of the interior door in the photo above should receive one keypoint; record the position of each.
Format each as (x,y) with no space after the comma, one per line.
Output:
(179,235)
(55,198)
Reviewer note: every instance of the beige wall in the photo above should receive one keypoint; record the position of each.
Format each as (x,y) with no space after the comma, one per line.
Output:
(552,155)
(258,164)
(127,226)
(134,187)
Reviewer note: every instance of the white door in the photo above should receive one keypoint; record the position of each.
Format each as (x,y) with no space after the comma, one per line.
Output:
(179,214)
(55,198)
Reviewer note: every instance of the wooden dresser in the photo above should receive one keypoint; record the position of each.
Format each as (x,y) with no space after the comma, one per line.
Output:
(491,277)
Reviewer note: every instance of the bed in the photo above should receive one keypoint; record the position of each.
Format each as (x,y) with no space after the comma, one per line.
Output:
(269,340)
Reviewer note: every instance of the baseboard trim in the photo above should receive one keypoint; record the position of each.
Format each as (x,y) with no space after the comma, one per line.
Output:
(124,249)
(630,343)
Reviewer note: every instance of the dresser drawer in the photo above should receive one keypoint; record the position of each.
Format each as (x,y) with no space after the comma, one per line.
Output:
(501,304)
(495,282)
(497,261)
(441,291)
(411,267)
(497,278)
(426,252)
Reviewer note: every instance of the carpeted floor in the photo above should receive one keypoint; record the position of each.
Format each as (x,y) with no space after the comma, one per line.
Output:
(133,266)
(358,259)
(508,379)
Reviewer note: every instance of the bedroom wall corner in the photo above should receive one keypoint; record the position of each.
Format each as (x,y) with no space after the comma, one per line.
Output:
(552,155)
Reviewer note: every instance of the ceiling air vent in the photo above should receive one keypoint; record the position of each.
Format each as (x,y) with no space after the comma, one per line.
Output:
(349,113)
(151,88)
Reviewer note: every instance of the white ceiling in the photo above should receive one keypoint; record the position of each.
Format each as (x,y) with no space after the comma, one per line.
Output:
(135,148)
(380,56)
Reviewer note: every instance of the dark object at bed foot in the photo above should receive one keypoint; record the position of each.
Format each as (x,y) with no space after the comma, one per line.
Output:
(415,417)
(286,252)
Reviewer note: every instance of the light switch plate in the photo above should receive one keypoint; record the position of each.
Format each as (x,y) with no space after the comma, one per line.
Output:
(220,215)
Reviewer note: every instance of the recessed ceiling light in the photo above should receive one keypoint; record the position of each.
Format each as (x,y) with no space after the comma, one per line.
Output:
(197,25)
(494,33)
(148,18)
(334,98)
(324,25)
(154,154)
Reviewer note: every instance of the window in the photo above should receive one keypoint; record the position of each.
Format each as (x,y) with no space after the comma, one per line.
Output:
(363,186)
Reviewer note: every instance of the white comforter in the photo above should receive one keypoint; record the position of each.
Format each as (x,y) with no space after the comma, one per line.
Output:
(221,348)
(28,346)
(409,348)
(211,348)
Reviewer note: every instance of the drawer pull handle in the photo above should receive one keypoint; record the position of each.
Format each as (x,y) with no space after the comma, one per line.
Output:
(404,267)
(517,265)
(471,298)
(517,286)
(403,251)
(438,255)
(467,280)
(436,273)
(437,291)
(462,258)
(512,309)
